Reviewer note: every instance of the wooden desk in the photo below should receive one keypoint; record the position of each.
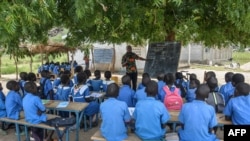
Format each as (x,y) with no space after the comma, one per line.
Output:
(98,137)
(76,107)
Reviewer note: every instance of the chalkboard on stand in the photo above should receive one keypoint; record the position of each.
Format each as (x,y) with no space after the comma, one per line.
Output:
(162,58)
(103,56)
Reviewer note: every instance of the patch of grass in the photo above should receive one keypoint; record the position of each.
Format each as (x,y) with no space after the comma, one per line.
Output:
(241,57)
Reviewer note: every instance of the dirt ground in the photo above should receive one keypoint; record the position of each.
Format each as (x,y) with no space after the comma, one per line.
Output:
(86,135)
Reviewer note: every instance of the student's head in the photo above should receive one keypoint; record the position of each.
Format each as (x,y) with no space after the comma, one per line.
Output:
(23,75)
(212,83)
(88,73)
(129,48)
(65,79)
(151,88)
(107,74)
(194,83)
(81,78)
(45,73)
(209,74)
(126,80)
(78,69)
(12,85)
(237,78)
(202,92)
(67,72)
(97,74)
(242,89)
(229,76)
(30,87)
(31,76)
(112,90)
(192,76)
(160,77)
(145,74)
(169,79)
(178,75)
(145,81)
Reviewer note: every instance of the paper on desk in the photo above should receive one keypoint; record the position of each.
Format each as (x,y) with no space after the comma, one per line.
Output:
(96,95)
(44,101)
(62,104)
(131,110)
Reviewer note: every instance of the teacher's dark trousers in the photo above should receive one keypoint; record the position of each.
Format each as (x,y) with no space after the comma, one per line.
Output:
(133,76)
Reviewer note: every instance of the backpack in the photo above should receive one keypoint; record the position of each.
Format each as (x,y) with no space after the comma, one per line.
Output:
(172,100)
(41,93)
(180,86)
(216,100)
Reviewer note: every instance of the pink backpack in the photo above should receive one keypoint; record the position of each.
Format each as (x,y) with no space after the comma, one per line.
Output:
(172,100)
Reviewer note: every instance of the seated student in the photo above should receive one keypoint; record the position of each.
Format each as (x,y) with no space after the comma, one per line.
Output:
(181,83)
(34,110)
(80,92)
(193,84)
(63,92)
(192,76)
(228,86)
(88,81)
(161,83)
(140,86)
(46,85)
(151,116)
(96,83)
(107,81)
(141,94)
(126,93)
(110,113)
(56,69)
(198,118)
(57,81)
(2,110)
(23,79)
(237,108)
(236,79)
(77,70)
(208,75)
(215,98)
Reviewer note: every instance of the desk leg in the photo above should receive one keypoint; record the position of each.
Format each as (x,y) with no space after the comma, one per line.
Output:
(26,133)
(18,132)
(67,135)
(77,126)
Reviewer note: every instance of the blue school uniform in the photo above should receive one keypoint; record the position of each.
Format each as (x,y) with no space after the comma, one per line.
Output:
(56,70)
(149,115)
(57,82)
(63,92)
(13,104)
(191,95)
(227,90)
(47,87)
(161,84)
(2,96)
(126,94)
(140,86)
(105,84)
(140,94)
(2,109)
(110,113)
(31,104)
(197,117)
(96,84)
(79,94)
(238,109)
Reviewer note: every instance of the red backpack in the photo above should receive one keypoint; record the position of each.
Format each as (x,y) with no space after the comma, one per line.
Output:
(172,100)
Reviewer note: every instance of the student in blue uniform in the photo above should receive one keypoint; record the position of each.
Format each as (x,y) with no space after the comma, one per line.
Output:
(160,82)
(193,84)
(2,110)
(126,93)
(151,116)
(141,94)
(107,81)
(34,110)
(48,88)
(63,91)
(77,70)
(79,92)
(110,113)
(237,108)
(88,81)
(198,118)
(96,83)
(23,79)
(140,86)
(228,85)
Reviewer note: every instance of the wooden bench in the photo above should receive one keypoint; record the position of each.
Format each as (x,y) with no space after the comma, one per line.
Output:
(22,121)
(98,137)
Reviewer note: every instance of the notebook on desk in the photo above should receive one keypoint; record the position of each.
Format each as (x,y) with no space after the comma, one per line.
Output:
(62,104)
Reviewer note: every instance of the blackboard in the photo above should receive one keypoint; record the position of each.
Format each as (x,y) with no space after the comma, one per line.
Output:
(103,55)
(162,58)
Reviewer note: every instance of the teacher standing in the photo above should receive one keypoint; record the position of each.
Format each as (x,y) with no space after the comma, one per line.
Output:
(128,61)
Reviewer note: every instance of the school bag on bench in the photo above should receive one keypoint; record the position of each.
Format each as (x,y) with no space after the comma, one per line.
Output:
(172,100)
(216,100)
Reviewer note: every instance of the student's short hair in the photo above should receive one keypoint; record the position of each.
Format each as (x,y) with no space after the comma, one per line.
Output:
(237,78)
(151,88)
(23,75)
(145,81)
(194,83)
(30,87)
(10,85)
(210,74)
(202,91)
(44,73)
(97,73)
(81,77)
(31,76)
(67,72)
(107,74)
(112,90)
(64,79)
(169,78)
(229,76)
(212,83)
(178,75)
(78,69)
(88,73)
(145,74)
(243,88)
(160,77)
(126,80)
(192,76)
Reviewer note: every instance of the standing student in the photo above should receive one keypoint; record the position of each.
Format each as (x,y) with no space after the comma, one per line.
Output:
(2,110)
(237,108)
(151,116)
(198,118)
(34,110)
(126,94)
(110,113)
(128,61)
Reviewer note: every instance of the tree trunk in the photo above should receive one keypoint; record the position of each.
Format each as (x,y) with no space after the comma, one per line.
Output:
(15,59)
(0,66)
(170,36)
(31,61)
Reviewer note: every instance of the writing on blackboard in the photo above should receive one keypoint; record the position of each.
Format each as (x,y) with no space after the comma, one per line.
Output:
(103,55)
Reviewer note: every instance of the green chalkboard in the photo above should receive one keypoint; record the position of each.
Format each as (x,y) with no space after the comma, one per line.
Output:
(103,55)
(162,58)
